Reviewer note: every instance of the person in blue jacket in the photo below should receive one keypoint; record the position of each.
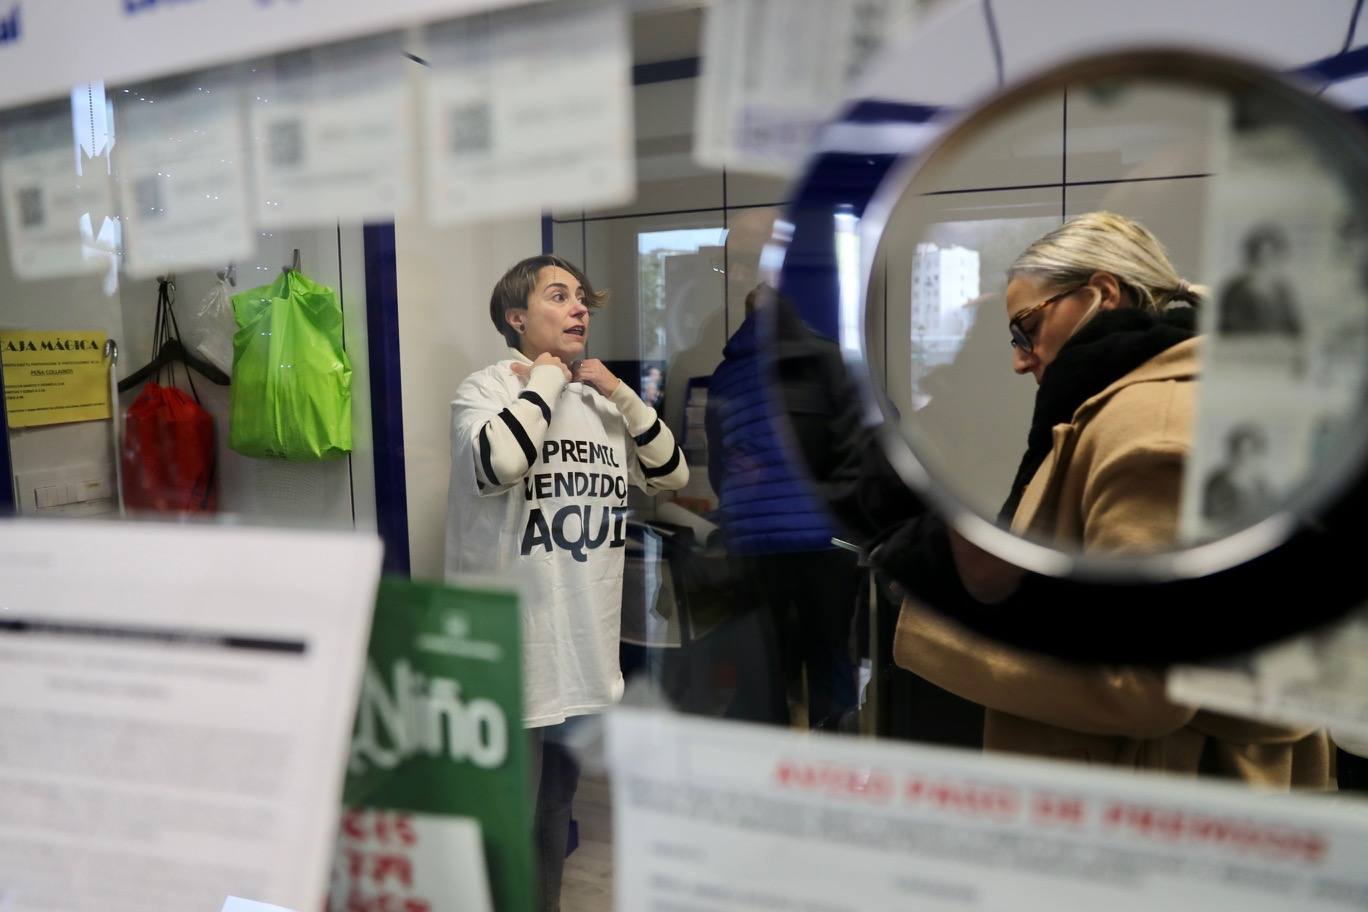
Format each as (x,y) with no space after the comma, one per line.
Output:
(774,527)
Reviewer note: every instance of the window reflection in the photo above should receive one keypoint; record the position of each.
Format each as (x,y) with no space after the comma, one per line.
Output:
(669,264)
(945,284)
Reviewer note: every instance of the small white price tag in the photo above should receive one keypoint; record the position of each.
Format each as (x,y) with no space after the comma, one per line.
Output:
(529,110)
(332,135)
(58,222)
(182,177)
(238,904)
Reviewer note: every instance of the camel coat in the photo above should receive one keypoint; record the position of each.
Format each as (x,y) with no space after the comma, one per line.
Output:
(1112,484)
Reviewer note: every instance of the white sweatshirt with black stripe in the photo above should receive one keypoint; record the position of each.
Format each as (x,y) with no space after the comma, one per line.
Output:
(538,493)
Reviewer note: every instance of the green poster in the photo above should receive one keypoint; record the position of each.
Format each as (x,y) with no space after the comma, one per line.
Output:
(438,814)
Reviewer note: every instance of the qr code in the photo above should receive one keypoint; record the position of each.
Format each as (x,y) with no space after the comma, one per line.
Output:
(31,213)
(285,140)
(470,129)
(148,197)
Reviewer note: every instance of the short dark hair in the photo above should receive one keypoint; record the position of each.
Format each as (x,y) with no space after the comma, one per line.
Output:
(512,291)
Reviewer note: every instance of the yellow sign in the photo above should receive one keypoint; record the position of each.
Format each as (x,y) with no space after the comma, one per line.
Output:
(54,376)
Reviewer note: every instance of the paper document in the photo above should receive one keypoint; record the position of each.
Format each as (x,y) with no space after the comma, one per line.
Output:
(775,71)
(332,134)
(60,217)
(1318,680)
(1284,334)
(183,176)
(529,110)
(176,705)
(712,815)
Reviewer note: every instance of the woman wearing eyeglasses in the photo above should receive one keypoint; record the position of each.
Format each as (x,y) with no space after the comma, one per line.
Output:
(1106,326)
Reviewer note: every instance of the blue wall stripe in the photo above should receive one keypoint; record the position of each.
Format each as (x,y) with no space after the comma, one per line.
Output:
(1338,67)
(547,238)
(874,111)
(387,398)
(665,71)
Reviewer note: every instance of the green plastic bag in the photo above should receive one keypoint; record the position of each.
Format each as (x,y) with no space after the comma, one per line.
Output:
(291,393)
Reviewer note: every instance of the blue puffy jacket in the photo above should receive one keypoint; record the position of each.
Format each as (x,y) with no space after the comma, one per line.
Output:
(764,505)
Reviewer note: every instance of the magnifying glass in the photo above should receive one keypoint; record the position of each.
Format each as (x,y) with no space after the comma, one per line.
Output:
(1138,386)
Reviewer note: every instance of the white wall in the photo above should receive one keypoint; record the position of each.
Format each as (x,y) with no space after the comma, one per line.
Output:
(333,494)
(444,279)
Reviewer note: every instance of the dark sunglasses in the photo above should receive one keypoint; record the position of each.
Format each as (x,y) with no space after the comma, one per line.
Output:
(1019,337)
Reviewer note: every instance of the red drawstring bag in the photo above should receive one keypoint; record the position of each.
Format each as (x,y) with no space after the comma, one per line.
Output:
(168,453)
(168,444)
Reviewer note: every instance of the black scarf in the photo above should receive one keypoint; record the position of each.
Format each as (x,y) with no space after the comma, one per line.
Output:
(1109,346)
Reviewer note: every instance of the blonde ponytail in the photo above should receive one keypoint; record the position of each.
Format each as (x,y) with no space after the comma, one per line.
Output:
(1107,242)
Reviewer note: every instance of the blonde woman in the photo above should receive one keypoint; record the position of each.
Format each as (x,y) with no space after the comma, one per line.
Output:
(1106,326)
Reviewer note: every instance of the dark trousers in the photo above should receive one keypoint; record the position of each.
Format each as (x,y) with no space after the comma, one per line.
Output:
(1351,771)
(555,776)
(805,601)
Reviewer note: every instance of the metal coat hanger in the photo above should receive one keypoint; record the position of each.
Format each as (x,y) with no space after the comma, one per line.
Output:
(168,345)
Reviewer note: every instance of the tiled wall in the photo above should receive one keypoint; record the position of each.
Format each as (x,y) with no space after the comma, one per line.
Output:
(1141,154)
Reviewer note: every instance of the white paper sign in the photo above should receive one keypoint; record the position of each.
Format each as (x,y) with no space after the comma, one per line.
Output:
(529,110)
(333,135)
(47,46)
(176,704)
(58,222)
(775,71)
(182,177)
(721,815)
(392,860)
(1316,680)
(1285,332)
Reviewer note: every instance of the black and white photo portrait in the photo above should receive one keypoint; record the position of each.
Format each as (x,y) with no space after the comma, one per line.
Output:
(1260,299)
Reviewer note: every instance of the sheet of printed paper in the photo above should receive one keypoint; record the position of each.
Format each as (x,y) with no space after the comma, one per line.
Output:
(1285,332)
(1316,680)
(333,134)
(182,175)
(54,376)
(529,110)
(775,71)
(58,221)
(721,815)
(176,706)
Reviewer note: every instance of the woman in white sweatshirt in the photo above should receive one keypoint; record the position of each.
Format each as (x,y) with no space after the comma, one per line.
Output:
(544,444)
